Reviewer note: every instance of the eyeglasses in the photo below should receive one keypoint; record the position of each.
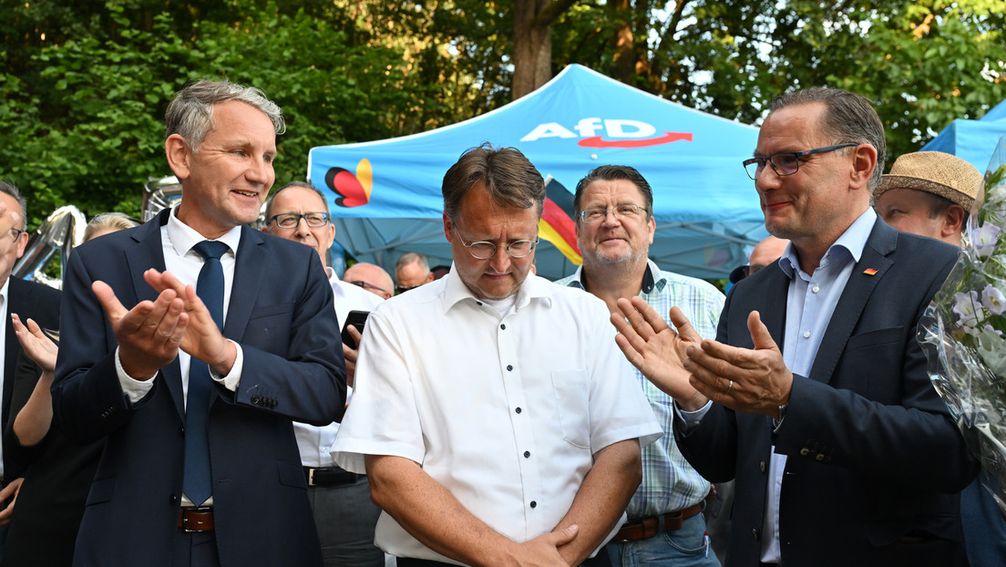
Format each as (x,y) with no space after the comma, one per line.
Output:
(786,163)
(367,285)
(17,232)
(400,289)
(624,211)
(291,220)
(484,249)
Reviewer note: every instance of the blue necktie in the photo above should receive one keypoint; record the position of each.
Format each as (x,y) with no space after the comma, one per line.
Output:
(210,288)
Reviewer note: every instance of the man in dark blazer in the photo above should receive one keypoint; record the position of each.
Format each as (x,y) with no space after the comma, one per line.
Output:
(136,332)
(28,300)
(815,397)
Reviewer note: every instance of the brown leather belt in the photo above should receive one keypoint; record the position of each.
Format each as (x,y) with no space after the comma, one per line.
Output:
(649,527)
(195,520)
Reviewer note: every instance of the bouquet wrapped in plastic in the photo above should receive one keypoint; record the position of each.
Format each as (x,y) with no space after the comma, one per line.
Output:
(963,332)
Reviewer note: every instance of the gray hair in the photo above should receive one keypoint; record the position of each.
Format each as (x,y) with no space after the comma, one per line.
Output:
(508,176)
(116,221)
(410,258)
(301,184)
(190,114)
(849,118)
(10,189)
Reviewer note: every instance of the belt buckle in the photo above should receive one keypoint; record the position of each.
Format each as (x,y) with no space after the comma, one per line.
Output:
(310,476)
(196,528)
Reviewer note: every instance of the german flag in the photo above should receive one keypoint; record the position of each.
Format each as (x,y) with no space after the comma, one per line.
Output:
(556,224)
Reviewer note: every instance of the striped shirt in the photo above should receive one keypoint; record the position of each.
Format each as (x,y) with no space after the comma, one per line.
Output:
(669,482)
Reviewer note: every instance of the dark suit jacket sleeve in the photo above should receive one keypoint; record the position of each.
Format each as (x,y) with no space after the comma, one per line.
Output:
(88,402)
(40,303)
(913,442)
(711,446)
(308,382)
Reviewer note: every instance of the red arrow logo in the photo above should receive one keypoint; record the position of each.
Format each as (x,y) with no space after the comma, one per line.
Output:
(668,137)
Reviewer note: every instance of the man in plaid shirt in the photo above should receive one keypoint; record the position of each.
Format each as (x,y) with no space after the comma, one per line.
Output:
(614,227)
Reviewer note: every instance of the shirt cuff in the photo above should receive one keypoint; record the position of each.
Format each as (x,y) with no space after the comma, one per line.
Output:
(233,377)
(692,418)
(134,389)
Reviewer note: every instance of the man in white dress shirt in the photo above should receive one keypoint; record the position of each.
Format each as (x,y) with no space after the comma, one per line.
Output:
(343,511)
(497,422)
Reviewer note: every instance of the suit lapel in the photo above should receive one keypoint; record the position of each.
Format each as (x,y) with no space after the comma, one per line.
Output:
(870,269)
(249,271)
(774,294)
(149,253)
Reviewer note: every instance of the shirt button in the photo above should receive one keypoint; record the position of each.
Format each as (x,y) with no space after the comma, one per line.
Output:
(815,289)
(806,334)
(534,504)
(517,410)
(509,367)
(503,326)
(527,454)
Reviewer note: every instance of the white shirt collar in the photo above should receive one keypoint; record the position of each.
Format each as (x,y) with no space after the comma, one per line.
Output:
(533,287)
(853,240)
(183,237)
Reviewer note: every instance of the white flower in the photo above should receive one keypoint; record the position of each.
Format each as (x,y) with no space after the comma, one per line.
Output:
(985,239)
(993,300)
(992,349)
(966,308)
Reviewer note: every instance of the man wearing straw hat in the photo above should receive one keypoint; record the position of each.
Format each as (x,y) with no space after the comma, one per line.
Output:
(928,193)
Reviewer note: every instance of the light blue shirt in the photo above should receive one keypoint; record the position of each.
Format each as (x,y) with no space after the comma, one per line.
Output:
(810,303)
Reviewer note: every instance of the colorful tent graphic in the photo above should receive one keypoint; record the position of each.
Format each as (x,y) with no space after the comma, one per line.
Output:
(705,207)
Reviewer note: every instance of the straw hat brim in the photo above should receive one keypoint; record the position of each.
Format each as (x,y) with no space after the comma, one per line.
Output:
(888,182)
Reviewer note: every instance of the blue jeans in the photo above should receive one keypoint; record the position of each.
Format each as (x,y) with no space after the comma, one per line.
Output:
(984,527)
(680,548)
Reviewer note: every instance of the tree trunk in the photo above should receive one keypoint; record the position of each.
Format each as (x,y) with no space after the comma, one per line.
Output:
(532,42)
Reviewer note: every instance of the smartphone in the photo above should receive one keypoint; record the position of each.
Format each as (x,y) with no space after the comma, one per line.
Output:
(357,319)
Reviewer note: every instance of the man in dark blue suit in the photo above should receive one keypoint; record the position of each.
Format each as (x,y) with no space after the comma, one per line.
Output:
(192,343)
(815,397)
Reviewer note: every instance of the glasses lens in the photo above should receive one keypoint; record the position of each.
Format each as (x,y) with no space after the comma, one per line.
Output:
(751,166)
(316,220)
(786,164)
(628,211)
(520,248)
(288,220)
(482,250)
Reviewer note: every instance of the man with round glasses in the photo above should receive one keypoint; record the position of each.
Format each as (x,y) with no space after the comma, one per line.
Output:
(814,396)
(496,422)
(614,230)
(343,512)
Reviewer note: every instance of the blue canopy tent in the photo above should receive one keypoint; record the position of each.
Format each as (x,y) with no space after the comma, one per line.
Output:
(385,195)
(972,140)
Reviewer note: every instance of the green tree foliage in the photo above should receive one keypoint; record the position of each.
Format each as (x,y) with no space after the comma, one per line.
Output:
(84,85)
(923,63)
(84,89)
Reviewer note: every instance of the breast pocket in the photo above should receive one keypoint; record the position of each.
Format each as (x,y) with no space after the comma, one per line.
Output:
(572,406)
(269,328)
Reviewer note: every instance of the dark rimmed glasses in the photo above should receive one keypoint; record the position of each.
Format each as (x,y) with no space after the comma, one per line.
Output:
(367,285)
(291,220)
(786,163)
